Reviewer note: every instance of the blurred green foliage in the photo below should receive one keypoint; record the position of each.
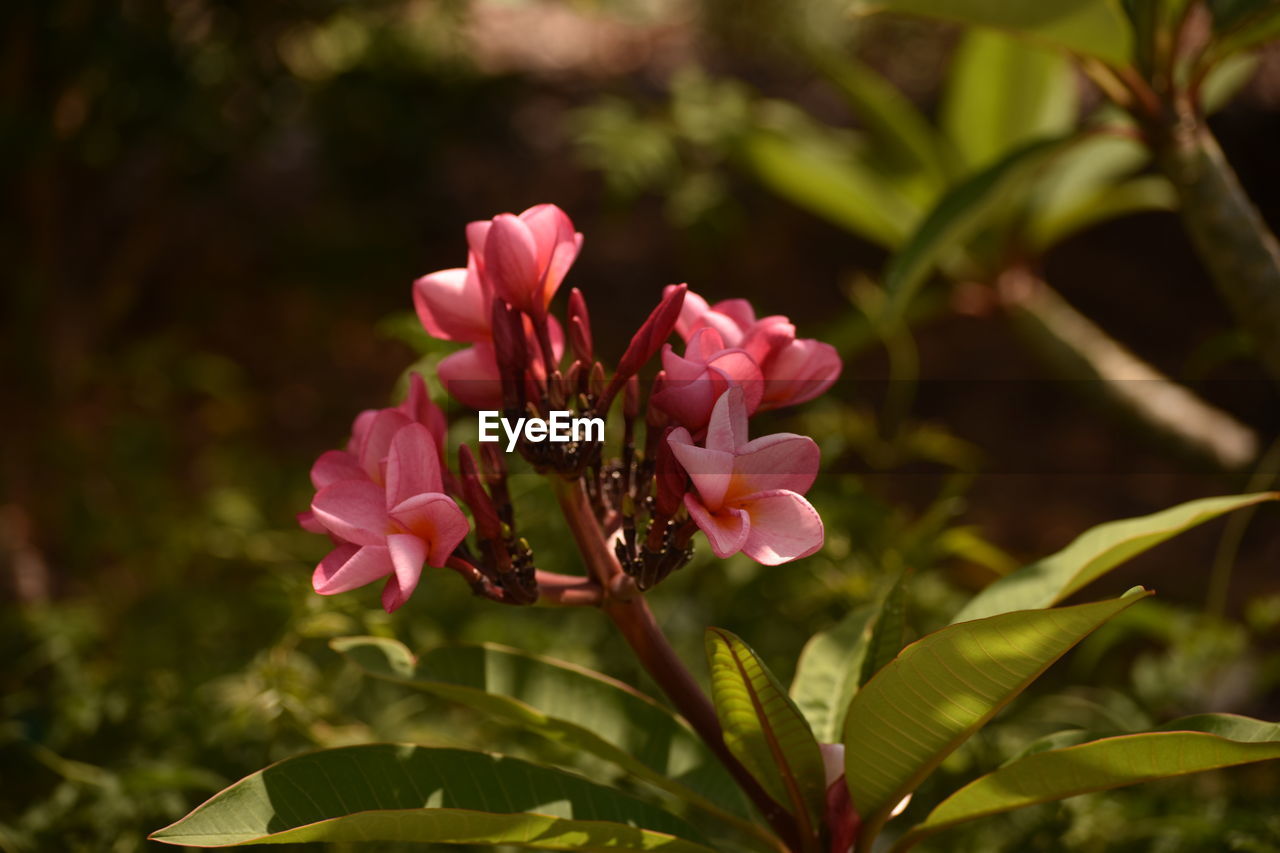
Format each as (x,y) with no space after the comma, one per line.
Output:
(212,212)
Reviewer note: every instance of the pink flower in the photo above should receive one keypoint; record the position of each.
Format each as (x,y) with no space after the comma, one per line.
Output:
(696,380)
(454,305)
(795,370)
(749,492)
(524,258)
(389,512)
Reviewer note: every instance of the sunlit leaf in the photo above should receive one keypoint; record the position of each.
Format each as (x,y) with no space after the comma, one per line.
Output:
(1003,93)
(1094,553)
(828,671)
(563,703)
(765,730)
(944,687)
(1090,27)
(400,792)
(1191,745)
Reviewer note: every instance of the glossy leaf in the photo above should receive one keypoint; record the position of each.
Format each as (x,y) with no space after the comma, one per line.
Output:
(958,215)
(1002,93)
(943,688)
(563,703)
(765,730)
(400,792)
(1192,745)
(827,674)
(1090,27)
(1094,553)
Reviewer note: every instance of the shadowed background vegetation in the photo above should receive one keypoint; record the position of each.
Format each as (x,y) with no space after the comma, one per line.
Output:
(212,214)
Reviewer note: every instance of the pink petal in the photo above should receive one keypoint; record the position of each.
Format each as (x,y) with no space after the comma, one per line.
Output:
(436,520)
(377,441)
(556,243)
(704,345)
(511,260)
(452,306)
(691,313)
(413,465)
(407,555)
(781,461)
(419,406)
(308,522)
(471,377)
(727,531)
(335,465)
(710,470)
(354,510)
(348,567)
(740,369)
(477,234)
(737,310)
(360,431)
(784,527)
(768,336)
(727,428)
(799,372)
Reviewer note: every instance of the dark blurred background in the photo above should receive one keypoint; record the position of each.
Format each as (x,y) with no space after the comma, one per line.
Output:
(212,213)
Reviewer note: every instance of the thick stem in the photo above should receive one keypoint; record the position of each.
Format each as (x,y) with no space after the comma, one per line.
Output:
(631,614)
(1240,253)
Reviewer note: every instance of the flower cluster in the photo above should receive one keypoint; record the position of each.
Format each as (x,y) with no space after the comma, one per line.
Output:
(391,506)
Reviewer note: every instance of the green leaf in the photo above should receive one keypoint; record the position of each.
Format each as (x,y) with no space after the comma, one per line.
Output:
(1226,79)
(814,168)
(566,704)
(889,634)
(765,730)
(1255,23)
(827,674)
(1191,745)
(1136,195)
(943,688)
(1003,93)
(1096,552)
(900,132)
(959,215)
(400,792)
(1090,27)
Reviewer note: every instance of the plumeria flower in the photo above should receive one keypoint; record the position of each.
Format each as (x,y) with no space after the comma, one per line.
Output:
(457,304)
(795,369)
(362,455)
(749,494)
(695,381)
(390,515)
(524,258)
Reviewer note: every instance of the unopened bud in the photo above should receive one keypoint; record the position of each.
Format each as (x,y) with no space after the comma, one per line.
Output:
(650,337)
(488,525)
(595,382)
(631,398)
(580,327)
(672,480)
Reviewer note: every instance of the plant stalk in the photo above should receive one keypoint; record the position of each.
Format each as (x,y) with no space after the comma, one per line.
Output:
(1235,245)
(629,611)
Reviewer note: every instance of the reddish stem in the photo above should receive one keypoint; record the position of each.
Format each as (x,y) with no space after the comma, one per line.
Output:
(631,614)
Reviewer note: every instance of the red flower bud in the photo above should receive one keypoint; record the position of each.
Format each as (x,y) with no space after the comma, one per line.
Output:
(580,327)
